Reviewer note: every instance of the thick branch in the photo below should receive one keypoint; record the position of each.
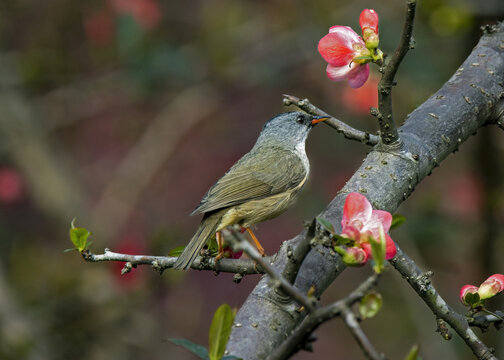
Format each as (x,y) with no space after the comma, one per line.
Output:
(422,285)
(432,132)
(389,134)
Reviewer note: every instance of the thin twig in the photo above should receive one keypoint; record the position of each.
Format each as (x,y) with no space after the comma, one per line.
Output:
(347,131)
(388,129)
(484,321)
(299,336)
(238,242)
(296,256)
(366,346)
(160,263)
(422,285)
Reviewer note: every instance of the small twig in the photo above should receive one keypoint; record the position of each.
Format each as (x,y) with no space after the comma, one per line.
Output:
(366,346)
(483,321)
(409,271)
(296,256)
(388,129)
(299,336)
(347,131)
(160,263)
(238,242)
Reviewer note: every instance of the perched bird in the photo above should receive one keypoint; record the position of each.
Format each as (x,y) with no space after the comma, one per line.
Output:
(259,186)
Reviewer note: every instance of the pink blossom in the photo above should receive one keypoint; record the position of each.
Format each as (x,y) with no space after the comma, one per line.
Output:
(339,48)
(360,222)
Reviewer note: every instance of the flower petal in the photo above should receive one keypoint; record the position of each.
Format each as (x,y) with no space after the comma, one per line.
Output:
(369,19)
(338,73)
(358,76)
(336,48)
(378,217)
(357,207)
(347,34)
(390,248)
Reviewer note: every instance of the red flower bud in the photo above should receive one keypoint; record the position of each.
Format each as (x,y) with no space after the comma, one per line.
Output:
(368,19)
(467,289)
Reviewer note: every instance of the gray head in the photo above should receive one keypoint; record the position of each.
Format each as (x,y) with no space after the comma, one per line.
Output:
(288,129)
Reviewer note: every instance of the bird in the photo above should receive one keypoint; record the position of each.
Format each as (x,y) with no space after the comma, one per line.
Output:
(261,185)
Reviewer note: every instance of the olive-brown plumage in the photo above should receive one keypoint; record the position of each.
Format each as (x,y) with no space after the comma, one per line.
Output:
(259,186)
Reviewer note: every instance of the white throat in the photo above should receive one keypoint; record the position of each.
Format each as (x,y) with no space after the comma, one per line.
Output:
(301,152)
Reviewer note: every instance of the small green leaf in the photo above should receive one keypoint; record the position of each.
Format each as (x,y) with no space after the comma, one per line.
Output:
(473,299)
(176,251)
(413,353)
(219,331)
(378,251)
(397,220)
(79,237)
(370,304)
(341,240)
(198,350)
(326,224)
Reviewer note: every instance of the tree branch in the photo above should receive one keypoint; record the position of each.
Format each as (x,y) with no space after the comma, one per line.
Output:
(300,335)
(388,130)
(433,131)
(345,129)
(420,282)
(366,346)
(161,263)
(238,242)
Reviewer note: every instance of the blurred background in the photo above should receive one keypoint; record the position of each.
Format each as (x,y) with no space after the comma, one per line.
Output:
(122,113)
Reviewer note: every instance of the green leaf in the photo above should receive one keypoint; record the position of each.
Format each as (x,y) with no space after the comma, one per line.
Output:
(326,224)
(378,251)
(473,299)
(79,237)
(341,240)
(413,353)
(370,304)
(219,332)
(231,357)
(196,349)
(176,251)
(397,220)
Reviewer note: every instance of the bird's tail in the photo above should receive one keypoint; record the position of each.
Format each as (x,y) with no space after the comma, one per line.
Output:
(207,227)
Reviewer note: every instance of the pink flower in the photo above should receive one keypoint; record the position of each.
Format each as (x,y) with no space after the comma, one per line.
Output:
(360,222)
(348,54)
(339,48)
(491,286)
(467,289)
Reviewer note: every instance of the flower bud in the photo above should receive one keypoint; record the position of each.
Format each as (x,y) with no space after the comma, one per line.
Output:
(491,286)
(370,38)
(368,19)
(352,256)
(467,289)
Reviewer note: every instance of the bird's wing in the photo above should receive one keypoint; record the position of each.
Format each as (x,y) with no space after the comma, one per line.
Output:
(258,174)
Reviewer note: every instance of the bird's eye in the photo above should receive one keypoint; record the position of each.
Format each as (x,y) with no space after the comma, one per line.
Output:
(300,119)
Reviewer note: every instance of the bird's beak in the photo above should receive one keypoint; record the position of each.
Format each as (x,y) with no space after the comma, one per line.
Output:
(317,119)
